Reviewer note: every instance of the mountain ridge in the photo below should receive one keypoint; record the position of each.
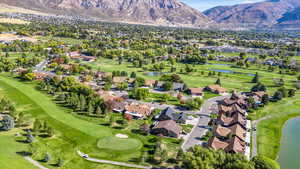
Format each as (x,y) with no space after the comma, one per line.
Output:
(158,12)
(265,14)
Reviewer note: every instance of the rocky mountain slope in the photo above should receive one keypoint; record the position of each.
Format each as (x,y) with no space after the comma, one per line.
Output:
(158,12)
(256,15)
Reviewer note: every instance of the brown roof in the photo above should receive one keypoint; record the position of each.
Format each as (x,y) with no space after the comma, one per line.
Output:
(40,76)
(236,146)
(140,109)
(228,121)
(196,90)
(114,105)
(259,94)
(105,95)
(119,79)
(216,88)
(233,145)
(131,80)
(169,125)
(238,131)
(235,130)
(220,131)
(150,82)
(217,144)
(231,109)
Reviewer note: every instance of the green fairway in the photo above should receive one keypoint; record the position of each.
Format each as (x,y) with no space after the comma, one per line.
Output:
(240,82)
(9,159)
(269,130)
(73,133)
(119,144)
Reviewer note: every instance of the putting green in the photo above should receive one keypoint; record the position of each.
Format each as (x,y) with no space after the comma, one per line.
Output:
(118,144)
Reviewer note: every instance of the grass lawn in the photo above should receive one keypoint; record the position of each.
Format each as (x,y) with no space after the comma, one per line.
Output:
(270,130)
(9,159)
(240,82)
(71,133)
(118,144)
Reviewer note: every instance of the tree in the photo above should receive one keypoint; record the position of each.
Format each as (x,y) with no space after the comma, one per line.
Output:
(60,162)
(258,87)
(262,162)
(202,158)
(278,95)
(37,125)
(29,76)
(255,78)
(168,86)
(133,75)
(7,123)
(218,82)
(140,93)
(291,93)
(265,99)
(47,158)
(128,117)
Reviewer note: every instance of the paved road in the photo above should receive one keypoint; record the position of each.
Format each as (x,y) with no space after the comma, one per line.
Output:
(35,163)
(201,128)
(254,135)
(112,162)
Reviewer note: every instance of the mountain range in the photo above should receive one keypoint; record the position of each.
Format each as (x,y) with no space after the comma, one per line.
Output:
(273,14)
(267,14)
(157,12)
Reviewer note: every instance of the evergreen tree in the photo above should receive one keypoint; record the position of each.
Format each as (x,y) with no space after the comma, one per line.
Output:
(218,82)
(255,78)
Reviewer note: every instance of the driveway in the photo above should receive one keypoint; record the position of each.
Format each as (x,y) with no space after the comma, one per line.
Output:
(202,126)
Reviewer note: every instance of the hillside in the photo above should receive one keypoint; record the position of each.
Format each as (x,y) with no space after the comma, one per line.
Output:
(254,15)
(158,12)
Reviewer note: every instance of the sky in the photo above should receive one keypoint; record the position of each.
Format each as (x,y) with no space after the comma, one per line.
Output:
(206,4)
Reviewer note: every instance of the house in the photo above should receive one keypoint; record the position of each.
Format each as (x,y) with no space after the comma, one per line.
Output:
(231,110)
(196,92)
(105,95)
(119,79)
(170,114)
(216,89)
(258,96)
(20,70)
(237,118)
(150,83)
(228,132)
(116,106)
(74,54)
(178,87)
(159,85)
(131,82)
(138,110)
(40,76)
(234,145)
(167,128)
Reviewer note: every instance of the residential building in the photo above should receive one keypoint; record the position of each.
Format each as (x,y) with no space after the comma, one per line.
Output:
(168,128)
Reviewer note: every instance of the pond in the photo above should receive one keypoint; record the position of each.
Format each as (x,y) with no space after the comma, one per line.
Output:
(231,72)
(290,149)
(155,73)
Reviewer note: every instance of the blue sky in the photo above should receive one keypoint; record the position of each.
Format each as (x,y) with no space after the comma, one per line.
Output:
(206,4)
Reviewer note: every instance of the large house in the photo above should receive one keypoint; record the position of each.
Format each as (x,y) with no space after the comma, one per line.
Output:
(226,121)
(119,79)
(138,110)
(167,128)
(230,131)
(196,92)
(170,114)
(233,145)
(216,89)
(150,83)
